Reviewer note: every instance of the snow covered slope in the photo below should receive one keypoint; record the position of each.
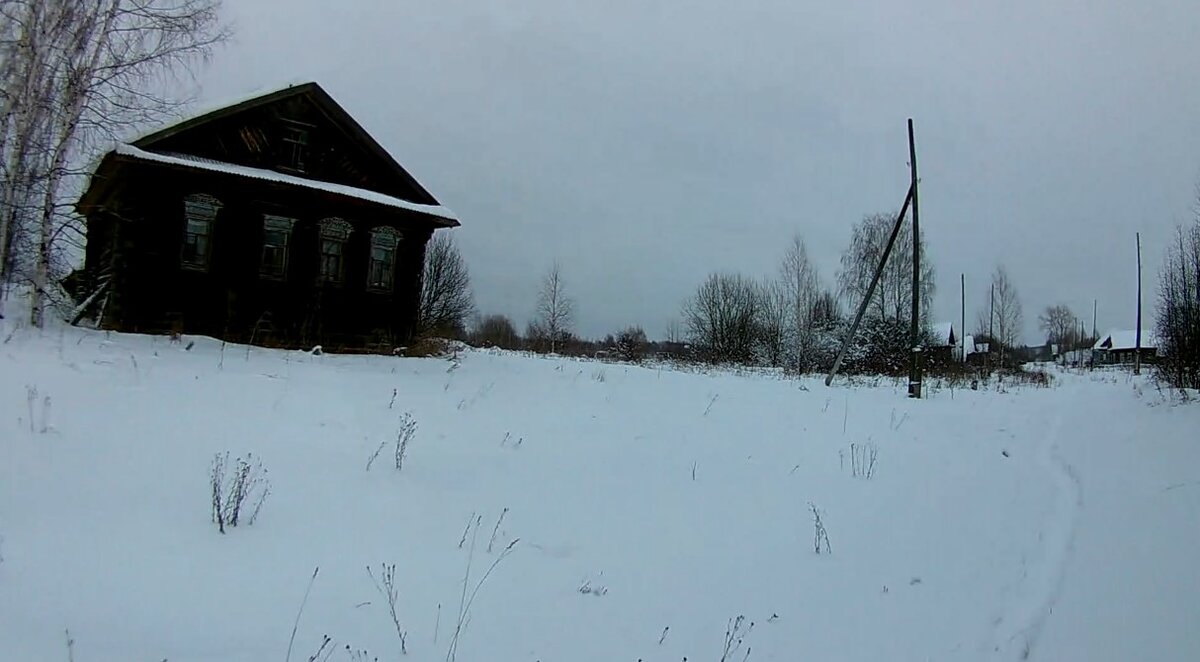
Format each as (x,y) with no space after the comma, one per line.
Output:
(649,508)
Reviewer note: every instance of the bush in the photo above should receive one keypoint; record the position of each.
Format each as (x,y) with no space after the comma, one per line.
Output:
(631,344)
(495,331)
(231,494)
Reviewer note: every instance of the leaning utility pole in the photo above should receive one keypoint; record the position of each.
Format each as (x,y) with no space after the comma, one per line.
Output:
(862,305)
(914,370)
(914,376)
(1137,348)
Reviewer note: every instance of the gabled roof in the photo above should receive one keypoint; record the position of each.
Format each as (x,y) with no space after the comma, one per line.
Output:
(199,163)
(314,93)
(944,332)
(1126,339)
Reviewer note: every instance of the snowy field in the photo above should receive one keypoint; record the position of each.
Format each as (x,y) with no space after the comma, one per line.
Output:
(643,508)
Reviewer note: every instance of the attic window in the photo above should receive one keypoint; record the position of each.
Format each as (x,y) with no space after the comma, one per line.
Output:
(335,232)
(200,210)
(295,146)
(381,269)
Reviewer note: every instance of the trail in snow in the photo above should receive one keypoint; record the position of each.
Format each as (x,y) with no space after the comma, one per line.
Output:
(1017,635)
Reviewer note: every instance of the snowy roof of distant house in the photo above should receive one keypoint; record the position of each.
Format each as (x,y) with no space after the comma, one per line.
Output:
(944,332)
(282,178)
(974,347)
(1126,339)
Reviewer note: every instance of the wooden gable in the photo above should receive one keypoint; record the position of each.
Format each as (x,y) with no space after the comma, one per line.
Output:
(298,131)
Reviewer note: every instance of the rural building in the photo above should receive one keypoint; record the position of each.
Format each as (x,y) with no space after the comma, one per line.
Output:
(1120,346)
(943,343)
(275,220)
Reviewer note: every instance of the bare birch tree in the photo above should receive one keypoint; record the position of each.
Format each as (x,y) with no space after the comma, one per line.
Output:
(1007,316)
(773,332)
(446,299)
(79,75)
(798,278)
(893,295)
(554,316)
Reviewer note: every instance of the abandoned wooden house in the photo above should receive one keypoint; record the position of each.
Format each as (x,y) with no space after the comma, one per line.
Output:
(276,220)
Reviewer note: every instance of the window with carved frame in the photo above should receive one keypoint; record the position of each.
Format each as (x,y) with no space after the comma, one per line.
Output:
(381,266)
(335,232)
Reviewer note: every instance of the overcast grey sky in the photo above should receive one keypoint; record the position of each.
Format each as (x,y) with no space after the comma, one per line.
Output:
(645,144)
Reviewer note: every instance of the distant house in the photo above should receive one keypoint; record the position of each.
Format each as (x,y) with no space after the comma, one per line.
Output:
(1120,346)
(976,352)
(943,342)
(274,220)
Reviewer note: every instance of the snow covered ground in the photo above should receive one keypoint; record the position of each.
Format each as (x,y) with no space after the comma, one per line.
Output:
(649,508)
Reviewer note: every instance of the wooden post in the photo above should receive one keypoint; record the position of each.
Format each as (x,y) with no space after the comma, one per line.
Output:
(962,331)
(991,319)
(1094,331)
(1137,348)
(862,306)
(914,372)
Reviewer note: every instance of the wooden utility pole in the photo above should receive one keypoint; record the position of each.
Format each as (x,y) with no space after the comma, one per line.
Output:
(1137,349)
(962,330)
(914,372)
(991,320)
(1094,331)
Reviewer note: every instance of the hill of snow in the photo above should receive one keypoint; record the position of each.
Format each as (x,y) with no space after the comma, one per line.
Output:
(646,509)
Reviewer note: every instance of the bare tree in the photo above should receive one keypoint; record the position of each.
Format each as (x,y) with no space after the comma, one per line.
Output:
(773,331)
(555,313)
(1060,325)
(77,75)
(495,331)
(1007,317)
(1178,323)
(798,279)
(446,299)
(675,332)
(893,295)
(722,318)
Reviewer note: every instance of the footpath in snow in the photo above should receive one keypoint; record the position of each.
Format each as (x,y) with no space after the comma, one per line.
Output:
(644,511)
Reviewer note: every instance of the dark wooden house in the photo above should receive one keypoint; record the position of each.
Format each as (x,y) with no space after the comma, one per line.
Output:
(276,220)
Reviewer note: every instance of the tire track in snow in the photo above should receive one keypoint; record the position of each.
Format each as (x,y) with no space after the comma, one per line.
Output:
(1017,635)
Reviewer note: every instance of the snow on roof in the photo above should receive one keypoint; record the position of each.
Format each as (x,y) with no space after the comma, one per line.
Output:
(1126,339)
(202,109)
(292,180)
(942,331)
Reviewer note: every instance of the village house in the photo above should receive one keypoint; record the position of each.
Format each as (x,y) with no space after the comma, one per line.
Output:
(1119,346)
(275,220)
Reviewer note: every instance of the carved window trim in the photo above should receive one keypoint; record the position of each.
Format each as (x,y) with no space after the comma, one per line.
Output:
(334,234)
(381,260)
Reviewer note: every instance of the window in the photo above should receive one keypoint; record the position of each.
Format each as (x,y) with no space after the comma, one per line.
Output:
(277,230)
(381,269)
(295,146)
(334,234)
(200,211)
